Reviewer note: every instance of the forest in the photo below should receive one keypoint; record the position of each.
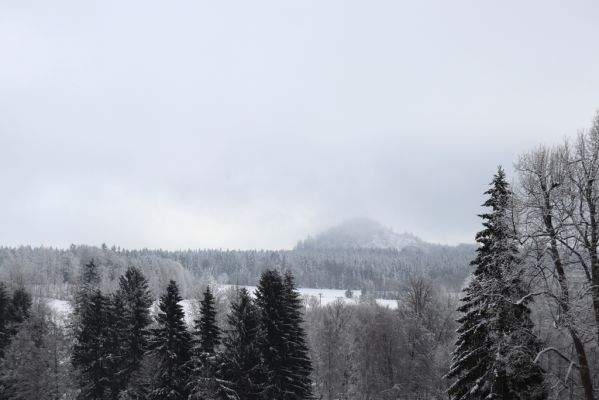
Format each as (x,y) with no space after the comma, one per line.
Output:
(525,326)
(50,272)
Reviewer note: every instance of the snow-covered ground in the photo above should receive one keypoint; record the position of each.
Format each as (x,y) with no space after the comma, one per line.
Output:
(62,309)
(325,296)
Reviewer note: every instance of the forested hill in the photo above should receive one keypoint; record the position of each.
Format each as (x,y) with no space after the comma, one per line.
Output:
(55,272)
(357,254)
(335,268)
(362,233)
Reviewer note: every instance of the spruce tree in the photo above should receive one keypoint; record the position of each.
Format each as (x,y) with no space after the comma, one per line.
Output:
(297,351)
(4,317)
(496,347)
(88,282)
(91,352)
(31,368)
(14,311)
(203,384)
(117,357)
(283,341)
(90,275)
(241,371)
(273,343)
(170,344)
(208,333)
(20,304)
(137,300)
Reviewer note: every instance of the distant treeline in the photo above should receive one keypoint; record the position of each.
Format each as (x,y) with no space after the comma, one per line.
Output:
(55,272)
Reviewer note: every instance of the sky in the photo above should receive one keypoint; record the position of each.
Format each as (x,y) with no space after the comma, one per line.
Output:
(252,124)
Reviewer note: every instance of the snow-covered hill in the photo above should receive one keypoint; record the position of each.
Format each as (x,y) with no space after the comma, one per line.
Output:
(362,233)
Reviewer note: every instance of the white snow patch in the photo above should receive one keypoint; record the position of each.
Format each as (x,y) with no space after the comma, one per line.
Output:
(60,309)
(189,310)
(323,297)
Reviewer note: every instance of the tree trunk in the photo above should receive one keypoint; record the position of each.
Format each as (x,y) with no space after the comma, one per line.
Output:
(585,375)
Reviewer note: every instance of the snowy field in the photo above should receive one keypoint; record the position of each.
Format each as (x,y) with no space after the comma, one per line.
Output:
(62,309)
(325,296)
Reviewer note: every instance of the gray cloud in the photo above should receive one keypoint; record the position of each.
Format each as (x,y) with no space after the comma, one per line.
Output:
(253,124)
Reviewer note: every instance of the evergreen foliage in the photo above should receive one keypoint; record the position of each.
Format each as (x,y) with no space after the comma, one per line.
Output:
(89,282)
(240,370)
(137,300)
(283,343)
(90,276)
(117,357)
(207,330)
(20,304)
(496,347)
(297,351)
(204,385)
(4,317)
(170,344)
(92,351)
(14,311)
(33,366)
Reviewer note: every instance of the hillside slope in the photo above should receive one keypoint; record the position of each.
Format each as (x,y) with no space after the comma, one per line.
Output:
(361,233)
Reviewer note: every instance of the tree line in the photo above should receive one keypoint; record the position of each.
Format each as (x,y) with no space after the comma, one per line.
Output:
(55,273)
(119,351)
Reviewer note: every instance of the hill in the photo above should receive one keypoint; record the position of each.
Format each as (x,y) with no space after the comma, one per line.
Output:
(361,233)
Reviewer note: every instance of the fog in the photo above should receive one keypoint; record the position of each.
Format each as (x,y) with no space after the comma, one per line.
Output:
(254,124)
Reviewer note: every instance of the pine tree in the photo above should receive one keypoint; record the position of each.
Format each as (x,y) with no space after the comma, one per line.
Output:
(241,371)
(170,345)
(91,352)
(496,345)
(206,337)
(283,342)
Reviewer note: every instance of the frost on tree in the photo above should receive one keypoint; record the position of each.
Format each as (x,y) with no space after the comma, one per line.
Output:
(283,344)
(171,345)
(496,347)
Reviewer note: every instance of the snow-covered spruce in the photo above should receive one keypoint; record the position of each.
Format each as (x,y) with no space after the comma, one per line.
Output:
(283,342)
(496,347)
(170,345)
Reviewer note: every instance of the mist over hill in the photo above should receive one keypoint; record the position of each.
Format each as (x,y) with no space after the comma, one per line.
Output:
(361,233)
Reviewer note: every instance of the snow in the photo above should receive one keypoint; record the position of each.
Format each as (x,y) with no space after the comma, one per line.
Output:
(62,309)
(325,296)
(189,310)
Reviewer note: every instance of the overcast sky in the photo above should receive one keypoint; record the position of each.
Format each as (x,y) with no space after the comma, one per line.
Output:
(243,124)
